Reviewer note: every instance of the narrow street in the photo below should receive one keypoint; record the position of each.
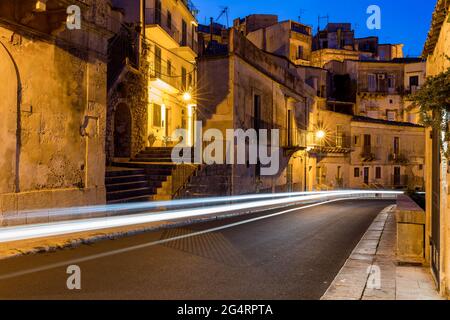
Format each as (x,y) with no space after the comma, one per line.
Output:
(295,255)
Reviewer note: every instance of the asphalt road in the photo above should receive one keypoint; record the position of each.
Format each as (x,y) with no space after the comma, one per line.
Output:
(290,256)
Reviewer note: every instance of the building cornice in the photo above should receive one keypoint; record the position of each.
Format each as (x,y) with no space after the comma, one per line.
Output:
(439,16)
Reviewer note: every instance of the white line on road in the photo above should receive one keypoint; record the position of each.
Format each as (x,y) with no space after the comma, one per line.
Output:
(145,245)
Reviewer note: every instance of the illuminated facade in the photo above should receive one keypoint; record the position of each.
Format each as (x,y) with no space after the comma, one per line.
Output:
(172,45)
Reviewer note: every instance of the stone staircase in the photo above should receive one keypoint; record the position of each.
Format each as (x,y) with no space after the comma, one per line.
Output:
(209,181)
(150,175)
(128,185)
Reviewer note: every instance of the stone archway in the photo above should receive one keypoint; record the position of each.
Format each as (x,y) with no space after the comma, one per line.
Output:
(122,131)
(9,122)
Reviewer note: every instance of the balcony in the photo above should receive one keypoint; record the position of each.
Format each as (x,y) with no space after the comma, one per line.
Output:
(161,78)
(383,90)
(191,7)
(293,140)
(398,158)
(157,17)
(168,35)
(329,144)
(371,153)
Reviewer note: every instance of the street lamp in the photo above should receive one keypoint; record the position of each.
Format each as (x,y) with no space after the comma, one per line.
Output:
(320,134)
(187,96)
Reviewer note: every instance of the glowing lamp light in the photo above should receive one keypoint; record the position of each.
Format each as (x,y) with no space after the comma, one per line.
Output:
(41,6)
(320,134)
(187,96)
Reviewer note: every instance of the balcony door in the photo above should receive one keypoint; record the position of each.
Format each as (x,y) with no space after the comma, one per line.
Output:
(183,33)
(289,128)
(397,176)
(367,144)
(158,63)
(158,9)
(366,175)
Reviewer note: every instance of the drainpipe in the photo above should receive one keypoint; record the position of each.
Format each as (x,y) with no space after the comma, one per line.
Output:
(142,24)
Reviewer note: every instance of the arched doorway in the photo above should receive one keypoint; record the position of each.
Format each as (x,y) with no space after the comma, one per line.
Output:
(9,123)
(122,131)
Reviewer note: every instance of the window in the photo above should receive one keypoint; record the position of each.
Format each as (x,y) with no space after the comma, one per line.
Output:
(190,80)
(156,115)
(391,115)
(183,33)
(158,61)
(378,173)
(157,11)
(183,78)
(391,82)
(414,81)
(193,32)
(169,68)
(396,145)
(356,140)
(420,166)
(300,52)
(169,20)
(367,144)
(356,173)
(372,82)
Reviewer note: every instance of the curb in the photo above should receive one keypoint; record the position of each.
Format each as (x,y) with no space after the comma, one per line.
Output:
(351,281)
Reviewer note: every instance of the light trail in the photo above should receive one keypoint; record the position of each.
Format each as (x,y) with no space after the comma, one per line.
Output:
(117,209)
(8,234)
(154,243)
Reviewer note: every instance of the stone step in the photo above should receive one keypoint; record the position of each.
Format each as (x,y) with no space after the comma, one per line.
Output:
(154,155)
(206,188)
(132,199)
(164,160)
(122,171)
(132,185)
(210,179)
(147,165)
(125,179)
(124,194)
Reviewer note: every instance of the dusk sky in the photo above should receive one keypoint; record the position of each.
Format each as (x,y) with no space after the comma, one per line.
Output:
(403,21)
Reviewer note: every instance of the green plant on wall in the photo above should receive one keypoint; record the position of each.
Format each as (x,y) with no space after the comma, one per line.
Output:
(433,102)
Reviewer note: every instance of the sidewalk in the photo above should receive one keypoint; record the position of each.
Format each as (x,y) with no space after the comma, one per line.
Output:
(371,271)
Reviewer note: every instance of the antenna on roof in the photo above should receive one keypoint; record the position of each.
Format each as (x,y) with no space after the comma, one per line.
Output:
(224,12)
(302,11)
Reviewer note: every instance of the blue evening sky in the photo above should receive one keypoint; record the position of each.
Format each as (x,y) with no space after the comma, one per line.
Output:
(403,21)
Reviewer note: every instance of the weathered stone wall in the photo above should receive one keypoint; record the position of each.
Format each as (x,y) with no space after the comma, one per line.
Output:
(53,117)
(437,62)
(130,90)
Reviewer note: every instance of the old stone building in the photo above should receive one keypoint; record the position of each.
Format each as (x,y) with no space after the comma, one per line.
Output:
(376,89)
(437,239)
(337,42)
(53,105)
(248,88)
(150,97)
(358,152)
(289,39)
